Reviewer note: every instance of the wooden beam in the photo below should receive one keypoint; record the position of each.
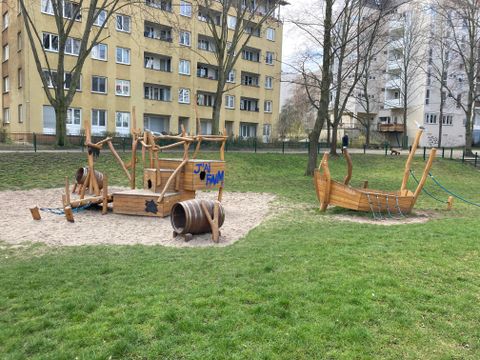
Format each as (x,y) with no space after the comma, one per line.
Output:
(119,159)
(450,203)
(67,191)
(408,164)
(105,195)
(212,221)
(423,179)
(69,214)
(170,179)
(326,174)
(35,213)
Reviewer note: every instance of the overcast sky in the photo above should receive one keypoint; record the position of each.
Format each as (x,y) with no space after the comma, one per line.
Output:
(292,36)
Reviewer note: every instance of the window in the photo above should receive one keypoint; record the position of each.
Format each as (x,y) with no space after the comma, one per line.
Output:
(267,130)
(184,37)
(19,41)
(5,53)
(156,123)
(99,84)
(99,52)
(122,87)
(184,67)
(231,76)
(251,55)
(206,126)
(6,115)
(72,46)
(249,104)
(71,9)
(231,22)
(49,121)
(430,118)
(270,34)
(183,121)
(67,81)
(123,56)
(123,23)
(20,77)
(268,82)
(267,106)
(156,92)
(6,84)
(6,21)
(250,79)
(184,96)
(74,116)
(47,7)
(447,120)
(101,18)
(122,122)
(269,58)
(50,42)
(20,113)
(427,97)
(230,101)
(160,4)
(248,130)
(185,8)
(99,120)
(206,44)
(205,100)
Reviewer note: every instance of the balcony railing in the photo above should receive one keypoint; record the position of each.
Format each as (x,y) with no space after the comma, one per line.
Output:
(390,127)
(392,103)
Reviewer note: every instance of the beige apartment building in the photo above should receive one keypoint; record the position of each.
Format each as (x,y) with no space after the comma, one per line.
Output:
(159,61)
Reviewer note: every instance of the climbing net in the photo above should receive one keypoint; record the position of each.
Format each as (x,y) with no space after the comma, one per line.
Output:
(60,211)
(391,212)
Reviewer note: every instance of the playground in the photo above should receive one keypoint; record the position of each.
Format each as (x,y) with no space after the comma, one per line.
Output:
(296,282)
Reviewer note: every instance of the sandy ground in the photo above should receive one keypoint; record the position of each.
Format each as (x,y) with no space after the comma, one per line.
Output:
(243,212)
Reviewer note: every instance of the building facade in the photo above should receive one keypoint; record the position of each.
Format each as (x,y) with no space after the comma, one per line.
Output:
(407,37)
(160,62)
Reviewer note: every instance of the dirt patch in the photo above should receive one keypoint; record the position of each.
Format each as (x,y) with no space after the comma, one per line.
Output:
(419,217)
(243,212)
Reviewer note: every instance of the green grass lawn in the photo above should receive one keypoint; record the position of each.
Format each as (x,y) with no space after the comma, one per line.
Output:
(300,286)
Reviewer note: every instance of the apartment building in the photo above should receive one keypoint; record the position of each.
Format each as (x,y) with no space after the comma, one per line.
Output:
(159,61)
(388,75)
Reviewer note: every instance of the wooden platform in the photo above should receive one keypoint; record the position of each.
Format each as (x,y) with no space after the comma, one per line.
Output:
(144,202)
(198,174)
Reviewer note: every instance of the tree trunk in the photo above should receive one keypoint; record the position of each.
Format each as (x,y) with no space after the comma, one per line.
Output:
(216,114)
(440,120)
(313,138)
(333,145)
(328,133)
(367,133)
(405,136)
(60,125)
(322,112)
(468,129)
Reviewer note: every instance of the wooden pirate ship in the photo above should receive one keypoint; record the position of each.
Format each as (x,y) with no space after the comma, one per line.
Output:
(331,192)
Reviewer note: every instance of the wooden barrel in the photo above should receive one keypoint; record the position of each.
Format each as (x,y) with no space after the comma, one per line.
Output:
(187,217)
(82,173)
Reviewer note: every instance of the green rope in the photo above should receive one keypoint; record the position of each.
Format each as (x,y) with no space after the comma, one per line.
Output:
(452,193)
(425,190)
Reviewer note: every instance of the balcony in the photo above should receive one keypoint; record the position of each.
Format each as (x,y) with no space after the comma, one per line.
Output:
(165,5)
(206,71)
(158,32)
(394,65)
(393,83)
(390,127)
(392,104)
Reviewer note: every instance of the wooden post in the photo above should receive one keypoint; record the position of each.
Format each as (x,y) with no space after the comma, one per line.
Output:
(222,148)
(220,194)
(69,214)
(133,162)
(212,221)
(170,179)
(421,183)
(365,184)
(349,166)
(408,164)
(119,159)
(450,203)
(197,149)
(326,174)
(67,191)
(35,213)
(105,195)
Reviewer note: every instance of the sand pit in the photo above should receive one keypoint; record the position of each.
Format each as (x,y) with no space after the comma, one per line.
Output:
(243,212)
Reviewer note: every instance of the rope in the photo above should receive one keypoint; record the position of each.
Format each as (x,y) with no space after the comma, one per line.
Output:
(388,206)
(398,206)
(60,211)
(371,207)
(379,207)
(452,193)
(426,191)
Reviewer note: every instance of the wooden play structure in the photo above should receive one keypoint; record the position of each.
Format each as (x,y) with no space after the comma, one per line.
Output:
(331,192)
(166,181)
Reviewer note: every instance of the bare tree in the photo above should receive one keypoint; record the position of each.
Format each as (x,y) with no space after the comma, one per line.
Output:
(231,24)
(463,20)
(59,83)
